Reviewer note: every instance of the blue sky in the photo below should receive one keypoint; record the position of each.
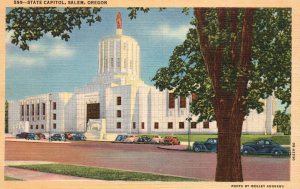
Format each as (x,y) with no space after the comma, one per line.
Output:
(53,65)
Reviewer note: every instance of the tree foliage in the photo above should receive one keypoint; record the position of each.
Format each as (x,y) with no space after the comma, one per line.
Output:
(268,73)
(283,122)
(28,24)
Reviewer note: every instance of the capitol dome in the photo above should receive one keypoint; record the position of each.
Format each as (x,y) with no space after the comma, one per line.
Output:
(119,55)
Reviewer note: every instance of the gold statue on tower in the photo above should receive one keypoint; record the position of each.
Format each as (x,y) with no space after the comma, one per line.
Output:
(119,21)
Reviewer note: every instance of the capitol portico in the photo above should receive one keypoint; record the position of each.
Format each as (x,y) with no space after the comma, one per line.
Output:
(118,101)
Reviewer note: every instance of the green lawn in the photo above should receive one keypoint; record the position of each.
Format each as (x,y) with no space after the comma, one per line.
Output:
(280,139)
(6,178)
(101,173)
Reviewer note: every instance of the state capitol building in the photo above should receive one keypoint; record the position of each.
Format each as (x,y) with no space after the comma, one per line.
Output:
(118,101)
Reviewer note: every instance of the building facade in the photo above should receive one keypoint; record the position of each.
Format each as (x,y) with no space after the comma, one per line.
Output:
(119,101)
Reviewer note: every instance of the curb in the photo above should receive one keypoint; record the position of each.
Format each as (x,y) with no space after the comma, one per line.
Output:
(36,141)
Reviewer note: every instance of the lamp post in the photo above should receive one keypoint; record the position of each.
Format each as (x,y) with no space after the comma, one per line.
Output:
(50,99)
(189,119)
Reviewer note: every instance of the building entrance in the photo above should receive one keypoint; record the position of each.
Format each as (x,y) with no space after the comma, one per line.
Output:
(92,111)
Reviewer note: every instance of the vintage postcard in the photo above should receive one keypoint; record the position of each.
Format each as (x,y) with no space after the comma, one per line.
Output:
(140,94)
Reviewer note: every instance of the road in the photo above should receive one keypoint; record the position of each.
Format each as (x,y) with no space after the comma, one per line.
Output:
(144,158)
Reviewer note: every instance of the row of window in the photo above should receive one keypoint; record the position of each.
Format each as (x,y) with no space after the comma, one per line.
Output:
(182,100)
(170,125)
(42,126)
(37,112)
(37,118)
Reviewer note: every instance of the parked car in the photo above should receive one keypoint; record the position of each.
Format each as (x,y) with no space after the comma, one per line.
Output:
(22,135)
(41,135)
(210,145)
(263,146)
(171,140)
(78,136)
(156,139)
(68,135)
(58,137)
(120,138)
(144,139)
(32,136)
(131,139)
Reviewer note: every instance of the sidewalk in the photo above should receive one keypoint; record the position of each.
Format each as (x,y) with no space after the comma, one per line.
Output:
(24,174)
(174,147)
(36,141)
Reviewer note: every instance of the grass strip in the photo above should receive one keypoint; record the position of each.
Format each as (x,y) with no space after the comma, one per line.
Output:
(101,173)
(280,139)
(7,178)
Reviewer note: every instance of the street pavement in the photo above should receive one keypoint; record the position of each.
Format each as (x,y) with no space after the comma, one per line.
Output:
(144,158)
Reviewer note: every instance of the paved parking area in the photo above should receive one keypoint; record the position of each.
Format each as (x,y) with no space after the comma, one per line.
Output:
(145,158)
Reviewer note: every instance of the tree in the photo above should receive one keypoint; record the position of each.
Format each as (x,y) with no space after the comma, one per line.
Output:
(232,59)
(30,24)
(283,122)
(6,116)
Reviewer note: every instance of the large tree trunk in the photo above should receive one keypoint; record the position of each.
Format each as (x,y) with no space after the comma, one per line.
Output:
(229,108)
(229,166)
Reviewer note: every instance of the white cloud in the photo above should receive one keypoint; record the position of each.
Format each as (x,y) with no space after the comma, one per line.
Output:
(37,47)
(60,49)
(8,37)
(165,30)
(41,52)
(23,60)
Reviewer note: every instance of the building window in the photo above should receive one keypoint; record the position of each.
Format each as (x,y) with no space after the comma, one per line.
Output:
(119,125)
(171,100)
(112,62)
(119,100)
(54,116)
(54,105)
(42,126)
(27,110)
(194,125)
(32,109)
(143,125)
(156,125)
(44,108)
(206,125)
(22,110)
(181,125)
(119,113)
(54,125)
(31,126)
(37,127)
(182,102)
(133,125)
(170,125)
(194,97)
(118,63)
(38,109)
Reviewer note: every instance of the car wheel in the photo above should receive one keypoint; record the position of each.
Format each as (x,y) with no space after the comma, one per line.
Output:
(197,149)
(277,153)
(246,152)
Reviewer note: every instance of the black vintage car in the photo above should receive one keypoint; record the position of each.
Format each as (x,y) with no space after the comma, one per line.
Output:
(144,139)
(22,135)
(209,146)
(58,137)
(263,146)
(32,136)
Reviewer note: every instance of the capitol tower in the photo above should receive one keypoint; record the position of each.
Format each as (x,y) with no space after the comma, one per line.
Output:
(119,57)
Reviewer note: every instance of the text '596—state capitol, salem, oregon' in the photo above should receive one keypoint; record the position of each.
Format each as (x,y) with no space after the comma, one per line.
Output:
(118,101)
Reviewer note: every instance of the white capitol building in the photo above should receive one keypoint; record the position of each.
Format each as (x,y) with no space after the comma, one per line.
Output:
(118,101)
